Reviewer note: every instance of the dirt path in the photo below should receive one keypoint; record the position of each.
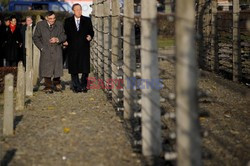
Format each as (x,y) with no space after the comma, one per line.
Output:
(67,129)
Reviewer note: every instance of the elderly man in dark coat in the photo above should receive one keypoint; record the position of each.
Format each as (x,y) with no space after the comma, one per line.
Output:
(48,37)
(79,33)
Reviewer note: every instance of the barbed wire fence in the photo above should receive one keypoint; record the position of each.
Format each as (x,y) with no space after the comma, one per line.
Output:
(223,40)
(164,121)
(129,72)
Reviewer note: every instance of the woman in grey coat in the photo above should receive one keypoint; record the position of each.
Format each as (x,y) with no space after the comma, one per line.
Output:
(48,37)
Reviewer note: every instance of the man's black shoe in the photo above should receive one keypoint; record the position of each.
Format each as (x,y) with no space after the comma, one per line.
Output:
(76,90)
(85,90)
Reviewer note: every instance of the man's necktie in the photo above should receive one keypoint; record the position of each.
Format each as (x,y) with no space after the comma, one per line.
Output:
(77,24)
(50,26)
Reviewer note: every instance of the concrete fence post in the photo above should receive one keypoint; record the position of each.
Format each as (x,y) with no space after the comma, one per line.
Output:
(116,47)
(214,41)
(129,59)
(188,133)
(8,117)
(92,43)
(96,38)
(36,60)
(237,73)
(29,67)
(151,114)
(107,42)
(100,10)
(20,95)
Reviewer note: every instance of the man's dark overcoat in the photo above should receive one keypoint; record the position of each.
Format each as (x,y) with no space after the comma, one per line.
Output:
(78,50)
(51,59)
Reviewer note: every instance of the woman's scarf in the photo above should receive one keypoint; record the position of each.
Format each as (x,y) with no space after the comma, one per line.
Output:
(12,28)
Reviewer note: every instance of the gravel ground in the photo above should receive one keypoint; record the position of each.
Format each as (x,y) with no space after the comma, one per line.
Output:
(83,129)
(67,129)
(225,117)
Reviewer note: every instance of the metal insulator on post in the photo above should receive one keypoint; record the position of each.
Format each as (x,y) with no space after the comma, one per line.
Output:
(120,109)
(170,115)
(137,114)
(170,156)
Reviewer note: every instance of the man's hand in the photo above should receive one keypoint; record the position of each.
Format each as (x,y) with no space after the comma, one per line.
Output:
(65,43)
(88,37)
(54,40)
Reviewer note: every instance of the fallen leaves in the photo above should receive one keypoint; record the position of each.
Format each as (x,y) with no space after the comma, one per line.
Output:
(51,108)
(66,130)
(63,119)
(202,119)
(234,132)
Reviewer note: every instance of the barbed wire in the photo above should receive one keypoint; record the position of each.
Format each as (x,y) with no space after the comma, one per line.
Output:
(98,3)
